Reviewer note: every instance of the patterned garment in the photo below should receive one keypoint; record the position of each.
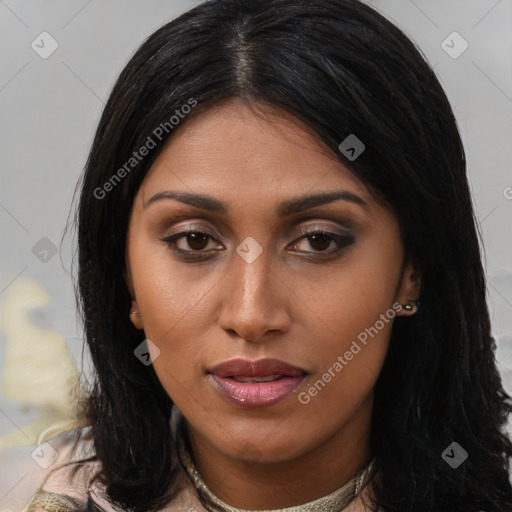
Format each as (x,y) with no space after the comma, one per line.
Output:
(52,502)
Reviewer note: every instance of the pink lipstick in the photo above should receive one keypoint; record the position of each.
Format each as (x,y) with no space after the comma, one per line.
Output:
(260,383)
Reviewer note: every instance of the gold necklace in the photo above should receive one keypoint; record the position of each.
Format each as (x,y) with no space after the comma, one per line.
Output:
(333,502)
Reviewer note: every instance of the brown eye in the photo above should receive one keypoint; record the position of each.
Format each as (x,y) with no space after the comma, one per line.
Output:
(197,241)
(320,241)
(188,241)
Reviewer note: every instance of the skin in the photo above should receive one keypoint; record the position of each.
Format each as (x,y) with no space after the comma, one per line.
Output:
(288,304)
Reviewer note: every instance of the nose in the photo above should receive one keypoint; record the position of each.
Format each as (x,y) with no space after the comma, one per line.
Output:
(254,301)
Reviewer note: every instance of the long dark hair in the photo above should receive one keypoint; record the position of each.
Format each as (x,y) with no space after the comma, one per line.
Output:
(341,68)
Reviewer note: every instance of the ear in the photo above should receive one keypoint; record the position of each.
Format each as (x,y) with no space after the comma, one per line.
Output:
(134,311)
(135,316)
(409,288)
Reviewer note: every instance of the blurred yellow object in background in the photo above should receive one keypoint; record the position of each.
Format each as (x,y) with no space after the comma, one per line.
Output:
(39,372)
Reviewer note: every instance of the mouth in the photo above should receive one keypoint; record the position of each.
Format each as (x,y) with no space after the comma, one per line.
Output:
(269,378)
(260,383)
(268,369)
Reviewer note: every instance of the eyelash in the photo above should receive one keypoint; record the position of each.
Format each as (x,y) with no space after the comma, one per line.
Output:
(342,241)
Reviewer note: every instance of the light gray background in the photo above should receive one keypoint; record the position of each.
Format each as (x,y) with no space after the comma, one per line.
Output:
(50,108)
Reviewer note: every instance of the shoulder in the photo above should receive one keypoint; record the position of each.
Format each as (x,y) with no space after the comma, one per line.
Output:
(28,471)
(54,487)
(65,453)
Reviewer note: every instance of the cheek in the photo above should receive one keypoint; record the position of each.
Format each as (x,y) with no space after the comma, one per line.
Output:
(348,370)
(350,297)
(172,300)
(356,315)
(170,295)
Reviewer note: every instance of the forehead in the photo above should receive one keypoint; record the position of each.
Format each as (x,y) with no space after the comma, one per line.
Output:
(255,154)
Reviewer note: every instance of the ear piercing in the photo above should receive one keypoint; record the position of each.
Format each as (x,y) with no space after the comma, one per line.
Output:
(411,307)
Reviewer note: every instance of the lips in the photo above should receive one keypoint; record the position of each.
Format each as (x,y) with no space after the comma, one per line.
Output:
(258,383)
(263,369)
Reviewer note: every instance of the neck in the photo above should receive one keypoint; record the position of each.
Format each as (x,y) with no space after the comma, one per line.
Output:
(315,473)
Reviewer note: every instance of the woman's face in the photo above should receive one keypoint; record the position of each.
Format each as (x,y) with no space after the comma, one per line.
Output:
(251,283)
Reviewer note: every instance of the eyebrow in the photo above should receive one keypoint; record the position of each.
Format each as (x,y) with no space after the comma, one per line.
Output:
(289,207)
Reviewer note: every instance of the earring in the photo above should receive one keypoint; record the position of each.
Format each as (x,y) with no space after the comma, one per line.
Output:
(412,307)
